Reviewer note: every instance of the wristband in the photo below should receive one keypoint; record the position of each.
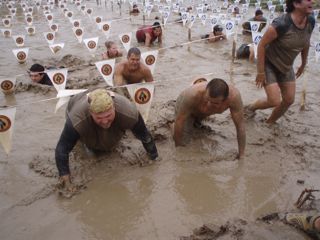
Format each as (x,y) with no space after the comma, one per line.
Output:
(261,73)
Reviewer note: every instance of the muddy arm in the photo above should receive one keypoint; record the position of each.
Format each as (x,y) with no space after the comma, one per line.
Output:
(148,75)
(147,42)
(237,116)
(304,58)
(67,141)
(178,128)
(118,79)
(268,37)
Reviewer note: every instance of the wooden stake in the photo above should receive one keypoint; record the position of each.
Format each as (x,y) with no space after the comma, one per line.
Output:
(189,38)
(144,17)
(233,54)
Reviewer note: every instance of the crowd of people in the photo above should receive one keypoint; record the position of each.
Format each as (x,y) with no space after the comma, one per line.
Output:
(100,117)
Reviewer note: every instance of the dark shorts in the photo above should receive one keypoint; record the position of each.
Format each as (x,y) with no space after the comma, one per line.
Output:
(273,75)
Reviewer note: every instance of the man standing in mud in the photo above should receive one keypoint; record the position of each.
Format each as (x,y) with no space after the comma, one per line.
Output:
(132,70)
(99,120)
(202,100)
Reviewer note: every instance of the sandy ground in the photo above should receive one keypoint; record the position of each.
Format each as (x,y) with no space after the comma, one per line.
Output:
(120,196)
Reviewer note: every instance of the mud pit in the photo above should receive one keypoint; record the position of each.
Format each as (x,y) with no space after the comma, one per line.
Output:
(122,197)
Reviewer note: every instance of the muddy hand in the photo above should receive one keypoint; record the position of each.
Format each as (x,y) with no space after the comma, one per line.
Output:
(260,80)
(299,71)
(65,184)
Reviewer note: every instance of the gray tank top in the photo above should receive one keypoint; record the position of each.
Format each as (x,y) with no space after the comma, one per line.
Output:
(290,41)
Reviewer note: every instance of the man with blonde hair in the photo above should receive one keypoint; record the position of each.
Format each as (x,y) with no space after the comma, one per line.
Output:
(99,119)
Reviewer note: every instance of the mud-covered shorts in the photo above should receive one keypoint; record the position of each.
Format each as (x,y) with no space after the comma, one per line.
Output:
(273,75)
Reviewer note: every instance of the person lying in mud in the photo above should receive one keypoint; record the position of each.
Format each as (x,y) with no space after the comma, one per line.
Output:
(99,119)
(135,10)
(132,70)
(112,51)
(37,75)
(148,34)
(216,35)
(246,51)
(258,17)
(310,224)
(202,100)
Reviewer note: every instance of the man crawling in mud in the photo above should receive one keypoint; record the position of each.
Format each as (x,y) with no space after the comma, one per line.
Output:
(132,70)
(99,120)
(202,100)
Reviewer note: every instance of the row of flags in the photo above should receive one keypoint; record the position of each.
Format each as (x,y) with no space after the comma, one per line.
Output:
(105,26)
(21,54)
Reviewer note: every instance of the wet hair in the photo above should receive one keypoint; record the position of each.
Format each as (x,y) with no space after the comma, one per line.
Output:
(258,12)
(135,51)
(217,28)
(108,44)
(218,88)
(156,25)
(36,68)
(290,6)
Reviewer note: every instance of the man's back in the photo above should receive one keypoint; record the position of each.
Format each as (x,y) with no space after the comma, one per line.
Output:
(195,103)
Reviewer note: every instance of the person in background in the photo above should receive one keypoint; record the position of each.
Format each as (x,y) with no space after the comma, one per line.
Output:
(149,34)
(258,17)
(246,51)
(132,70)
(37,75)
(112,51)
(216,35)
(135,10)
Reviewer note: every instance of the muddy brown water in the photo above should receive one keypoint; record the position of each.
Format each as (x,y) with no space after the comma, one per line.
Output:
(190,186)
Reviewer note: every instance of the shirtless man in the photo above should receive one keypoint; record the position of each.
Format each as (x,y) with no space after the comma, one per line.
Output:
(132,70)
(204,99)
(216,34)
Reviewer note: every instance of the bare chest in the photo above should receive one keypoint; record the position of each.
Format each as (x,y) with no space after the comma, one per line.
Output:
(133,77)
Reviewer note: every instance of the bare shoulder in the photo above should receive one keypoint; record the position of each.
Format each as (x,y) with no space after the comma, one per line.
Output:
(234,98)
(144,68)
(192,94)
(120,67)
